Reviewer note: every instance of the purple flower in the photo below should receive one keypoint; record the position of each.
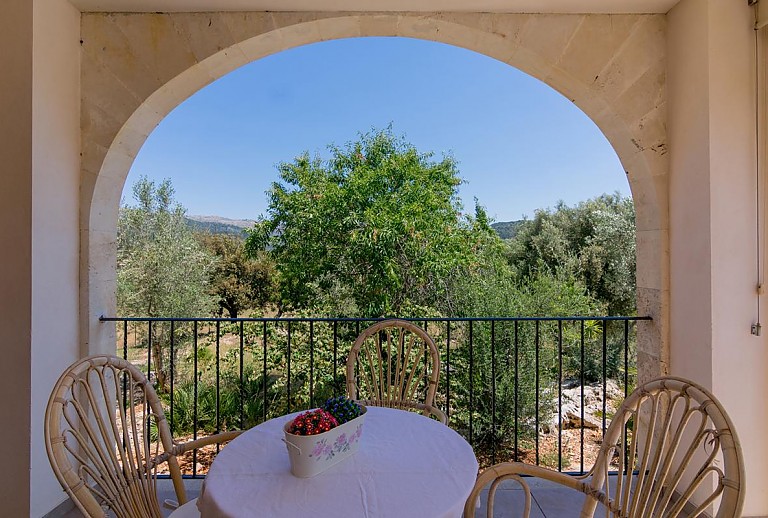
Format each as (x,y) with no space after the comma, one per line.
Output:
(341,440)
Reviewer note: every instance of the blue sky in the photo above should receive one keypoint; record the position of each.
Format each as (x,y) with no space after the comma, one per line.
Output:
(519,144)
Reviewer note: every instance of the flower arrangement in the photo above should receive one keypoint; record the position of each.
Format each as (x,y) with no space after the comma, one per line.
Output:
(319,438)
(335,411)
(313,423)
(342,409)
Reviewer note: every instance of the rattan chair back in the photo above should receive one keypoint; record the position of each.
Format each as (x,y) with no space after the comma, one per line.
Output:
(676,453)
(395,364)
(670,451)
(106,433)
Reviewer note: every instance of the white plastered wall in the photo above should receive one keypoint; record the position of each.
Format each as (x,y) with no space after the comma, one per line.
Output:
(55,223)
(713,221)
(39,204)
(16,253)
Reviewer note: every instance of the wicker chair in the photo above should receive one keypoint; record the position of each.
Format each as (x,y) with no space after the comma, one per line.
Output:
(391,363)
(690,463)
(106,434)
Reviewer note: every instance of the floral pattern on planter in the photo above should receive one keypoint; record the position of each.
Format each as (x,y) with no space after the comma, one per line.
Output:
(342,443)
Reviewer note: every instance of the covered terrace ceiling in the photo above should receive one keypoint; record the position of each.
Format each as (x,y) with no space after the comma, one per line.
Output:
(491,6)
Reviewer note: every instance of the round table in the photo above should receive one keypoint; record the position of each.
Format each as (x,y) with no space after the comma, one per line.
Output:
(407,465)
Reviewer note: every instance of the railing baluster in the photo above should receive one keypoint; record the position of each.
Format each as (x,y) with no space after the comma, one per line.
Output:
(471,383)
(605,370)
(149,352)
(242,386)
(288,363)
(264,370)
(426,363)
(448,370)
(125,340)
(335,360)
(560,395)
(312,363)
(171,367)
(125,357)
(493,391)
(536,364)
(194,404)
(149,369)
(507,349)
(581,443)
(218,381)
(357,333)
(626,388)
(517,384)
(626,358)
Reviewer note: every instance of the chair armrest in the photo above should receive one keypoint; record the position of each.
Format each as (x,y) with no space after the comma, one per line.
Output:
(219,438)
(439,414)
(182,448)
(517,470)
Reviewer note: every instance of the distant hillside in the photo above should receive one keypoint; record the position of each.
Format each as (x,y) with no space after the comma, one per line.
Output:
(236,227)
(219,225)
(506,229)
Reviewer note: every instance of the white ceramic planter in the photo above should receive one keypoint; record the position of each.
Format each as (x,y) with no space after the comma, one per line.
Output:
(313,454)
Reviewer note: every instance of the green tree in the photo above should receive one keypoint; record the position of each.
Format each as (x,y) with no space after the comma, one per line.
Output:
(162,270)
(495,290)
(594,241)
(237,281)
(378,226)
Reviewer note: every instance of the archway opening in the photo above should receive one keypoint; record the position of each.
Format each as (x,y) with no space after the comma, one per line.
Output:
(469,424)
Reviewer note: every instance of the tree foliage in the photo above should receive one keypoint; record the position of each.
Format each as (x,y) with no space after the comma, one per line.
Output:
(378,230)
(162,270)
(378,226)
(503,377)
(237,281)
(593,241)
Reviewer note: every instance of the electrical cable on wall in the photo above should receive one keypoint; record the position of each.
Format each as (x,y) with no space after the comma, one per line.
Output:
(756,327)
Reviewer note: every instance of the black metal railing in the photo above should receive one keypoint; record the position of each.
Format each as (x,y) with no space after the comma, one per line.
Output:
(502,380)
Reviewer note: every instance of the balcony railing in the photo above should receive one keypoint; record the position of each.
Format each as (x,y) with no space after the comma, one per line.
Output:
(502,385)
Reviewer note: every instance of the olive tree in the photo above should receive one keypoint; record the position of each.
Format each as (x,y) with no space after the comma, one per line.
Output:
(162,270)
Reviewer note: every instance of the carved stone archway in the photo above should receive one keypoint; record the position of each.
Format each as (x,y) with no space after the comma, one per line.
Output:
(137,67)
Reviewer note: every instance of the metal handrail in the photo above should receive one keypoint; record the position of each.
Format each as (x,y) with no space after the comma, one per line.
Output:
(488,345)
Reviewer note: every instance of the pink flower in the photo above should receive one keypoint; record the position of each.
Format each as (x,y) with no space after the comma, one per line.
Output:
(318,448)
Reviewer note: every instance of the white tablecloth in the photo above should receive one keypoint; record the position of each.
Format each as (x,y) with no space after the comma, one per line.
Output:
(407,465)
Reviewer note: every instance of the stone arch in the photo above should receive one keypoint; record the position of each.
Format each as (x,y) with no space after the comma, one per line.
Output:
(137,67)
